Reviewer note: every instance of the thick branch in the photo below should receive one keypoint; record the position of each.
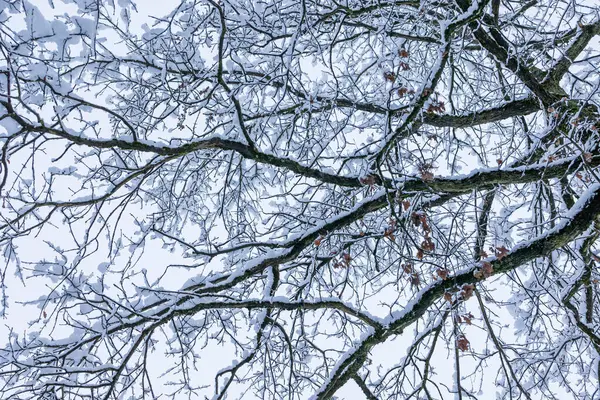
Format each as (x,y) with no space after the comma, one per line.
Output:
(562,66)
(580,217)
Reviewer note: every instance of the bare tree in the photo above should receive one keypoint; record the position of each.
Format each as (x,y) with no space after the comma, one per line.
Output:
(285,199)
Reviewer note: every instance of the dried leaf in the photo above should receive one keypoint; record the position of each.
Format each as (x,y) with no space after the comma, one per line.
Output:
(347,258)
(428,244)
(415,280)
(416,219)
(462,343)
(501,252)
(448,297)
(427,176)
(467,318)
(389,233)
(436,107)
(467,291)
(420,254)
(368,180)
(442,273)
(487,269)
(389,76)
(406,205)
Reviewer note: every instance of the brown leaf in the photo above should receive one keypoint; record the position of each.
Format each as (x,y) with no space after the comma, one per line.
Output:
(428,244)
(389,233)
(420,254)
(462,343)
(347,258)
(406,204)
(403,53)
(501,252)
(368,180)
(427,176)
(487,269)
(424,223)
(436,107)
(389,76)
(442,273)
(416,219)
(415,280)
(448,297)
(467,291)
(467,318)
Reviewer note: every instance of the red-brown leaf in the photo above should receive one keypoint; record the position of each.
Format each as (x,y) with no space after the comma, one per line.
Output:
(467,291)
(462,343)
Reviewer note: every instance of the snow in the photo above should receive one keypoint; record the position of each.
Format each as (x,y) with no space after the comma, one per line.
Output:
(62,171)
(585,198)
(37,25)
(195,204)
(103,267)
(86,26)
(10,126)
(336,369)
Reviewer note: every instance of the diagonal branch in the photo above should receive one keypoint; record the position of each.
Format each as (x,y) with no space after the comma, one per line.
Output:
(586,34)
(585,212)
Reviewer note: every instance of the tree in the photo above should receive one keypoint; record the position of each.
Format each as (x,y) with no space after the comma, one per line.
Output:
(285,199)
